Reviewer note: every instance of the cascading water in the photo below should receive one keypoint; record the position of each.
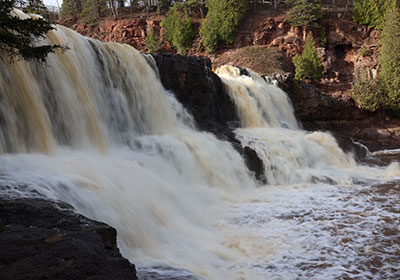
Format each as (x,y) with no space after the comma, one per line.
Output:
(325,218)
(95,128)
(269,127)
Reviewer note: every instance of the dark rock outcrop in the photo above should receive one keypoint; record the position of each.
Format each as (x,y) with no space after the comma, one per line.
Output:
(311,105)
(255,164)
(348,146)
(198,88)
(317,110)
(40,239)
(250,156)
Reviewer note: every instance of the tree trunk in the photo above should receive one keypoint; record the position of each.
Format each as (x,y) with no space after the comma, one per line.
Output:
(114,14)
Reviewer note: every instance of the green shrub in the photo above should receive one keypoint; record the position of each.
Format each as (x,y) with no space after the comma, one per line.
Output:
(178,28)
(364,51)
(308,64)
(209,33)
(367,92)
(222,21)
(385,91)
(163,5)
(322,37)
(152,41)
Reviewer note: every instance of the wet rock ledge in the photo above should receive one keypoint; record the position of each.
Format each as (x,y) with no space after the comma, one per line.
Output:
(201,92)
(42,240)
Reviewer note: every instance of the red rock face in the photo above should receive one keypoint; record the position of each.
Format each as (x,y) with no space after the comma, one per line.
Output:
(132,31)
(344,38)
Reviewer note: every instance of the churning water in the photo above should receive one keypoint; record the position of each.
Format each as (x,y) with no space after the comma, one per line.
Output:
(95,128)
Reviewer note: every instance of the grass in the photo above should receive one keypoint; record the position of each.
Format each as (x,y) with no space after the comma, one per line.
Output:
(263,60)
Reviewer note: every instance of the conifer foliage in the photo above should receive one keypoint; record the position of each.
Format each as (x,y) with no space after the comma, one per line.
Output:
(308,64)
(367,92)
(370,12)
(178,27)
(36,7)
(71,8)
(93,10)
(304,12)
(152,40)
(18,37)
(389,58)
(222,20)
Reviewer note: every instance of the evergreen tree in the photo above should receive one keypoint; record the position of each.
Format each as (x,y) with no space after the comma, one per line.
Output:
(370,12)
(71,8)
(367,93)
(18,36)
(304,12)
(93,10)
(36,7)
(308,64)
(152,40)
(222,20)
(389,58)
(163,5)
(178,27)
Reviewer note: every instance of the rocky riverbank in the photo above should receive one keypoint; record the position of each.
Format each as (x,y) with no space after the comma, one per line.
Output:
(42,239)
(338,114)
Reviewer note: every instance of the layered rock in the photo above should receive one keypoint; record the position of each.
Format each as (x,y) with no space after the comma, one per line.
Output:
(340,39)
(132,31)
(40,239)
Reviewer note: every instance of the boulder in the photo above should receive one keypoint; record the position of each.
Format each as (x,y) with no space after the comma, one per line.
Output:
(41,239)
(255,164)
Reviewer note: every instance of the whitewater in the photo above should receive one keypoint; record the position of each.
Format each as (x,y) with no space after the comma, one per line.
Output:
(95,128)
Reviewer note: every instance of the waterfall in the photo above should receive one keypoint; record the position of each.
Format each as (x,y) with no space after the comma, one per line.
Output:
(268,125)
(95,128)
(258,104)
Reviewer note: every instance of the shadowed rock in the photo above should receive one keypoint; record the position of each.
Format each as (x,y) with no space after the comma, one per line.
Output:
(41,239)
(198,88)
